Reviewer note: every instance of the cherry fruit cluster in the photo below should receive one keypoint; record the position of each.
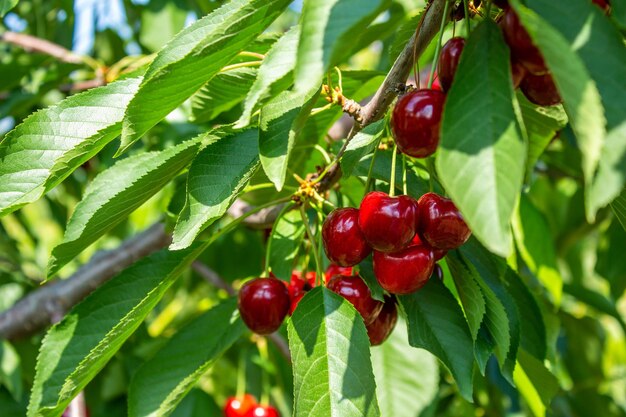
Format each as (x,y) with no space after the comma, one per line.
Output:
(246,406)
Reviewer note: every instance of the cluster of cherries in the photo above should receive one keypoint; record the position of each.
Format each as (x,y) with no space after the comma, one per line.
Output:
(416,117)
(407,238)
(246,406)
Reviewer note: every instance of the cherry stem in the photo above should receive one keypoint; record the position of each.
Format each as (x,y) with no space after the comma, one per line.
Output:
(266,272)
(307,228)
(368,182)
(467,17)
(431,173)
(241,374)
(320,221)
(241,65)
(404,179)
(444,19)
(392,182)
(265,360)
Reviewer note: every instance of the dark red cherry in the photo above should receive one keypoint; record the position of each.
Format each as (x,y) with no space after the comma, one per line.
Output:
(449,61)
(388,223)
(522,47)
(355,290)
(441,224)
(603,4)
(380,329)
(344,242)
(437,253)
(294,303)
(238,407)
(263,304)
(334,269)
(540,89)
(437,273)
(404,272)
(518,72)
(262,411)
(416,120)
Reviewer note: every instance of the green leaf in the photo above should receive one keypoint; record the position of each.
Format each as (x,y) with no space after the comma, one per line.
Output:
(160,21)
(604,55)
(6,5)
(331,360)
(366,271)
(116,193)
(407,379)
(536,383)
(482,152)
(222,93)
(161,383)
(216,177)
(403,34)
(51,143)
(329,30)
(436,323)
(533,237)
(362,144)
(596,300)
(581,98)
(192,58)
(542,124)
(78,347)
(273,74)
(284,244)
(10,369)
(281,121)
(471,297)
(619,208)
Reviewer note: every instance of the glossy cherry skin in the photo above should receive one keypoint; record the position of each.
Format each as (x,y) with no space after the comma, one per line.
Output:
(334,269)
(406,271)
(380,329)
(416,121)
(388,223)
(355,290)
(344,242)
(522,47)
(238,407)
(449,61)
(540,89)
(263,304)
(262,411)
(438,254)
(441,224)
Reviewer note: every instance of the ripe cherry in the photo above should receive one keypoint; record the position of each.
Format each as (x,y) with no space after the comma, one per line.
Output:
(416,120)
(603,4)
(298,287)
(355,290)
(344,241)
(449,61)
(522,47)
(263,304)
(380,329)
(404,272)
(262,411)
(518,72)
(438,254)
(388,223)
(441,224)
(540,89)
(238,407)
(334,269)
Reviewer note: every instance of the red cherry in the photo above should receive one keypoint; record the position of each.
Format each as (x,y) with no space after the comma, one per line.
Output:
(603,4)
(518,72)
(334,269)
(380,329)
(436,83)
(262,411)
(437,273)
(263,304)
(441,224)
(522,47)
(355,290)
(238,407)
(388,223)
(404,272)
(540,89)
(416,120)
(437,253)
(294,303)
(344,242)
(449,61)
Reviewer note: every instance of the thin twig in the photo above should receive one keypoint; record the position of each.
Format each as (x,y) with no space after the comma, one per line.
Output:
(34,44)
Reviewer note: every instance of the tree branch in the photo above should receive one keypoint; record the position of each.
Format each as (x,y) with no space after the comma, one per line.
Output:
(49,303)
(34,44)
